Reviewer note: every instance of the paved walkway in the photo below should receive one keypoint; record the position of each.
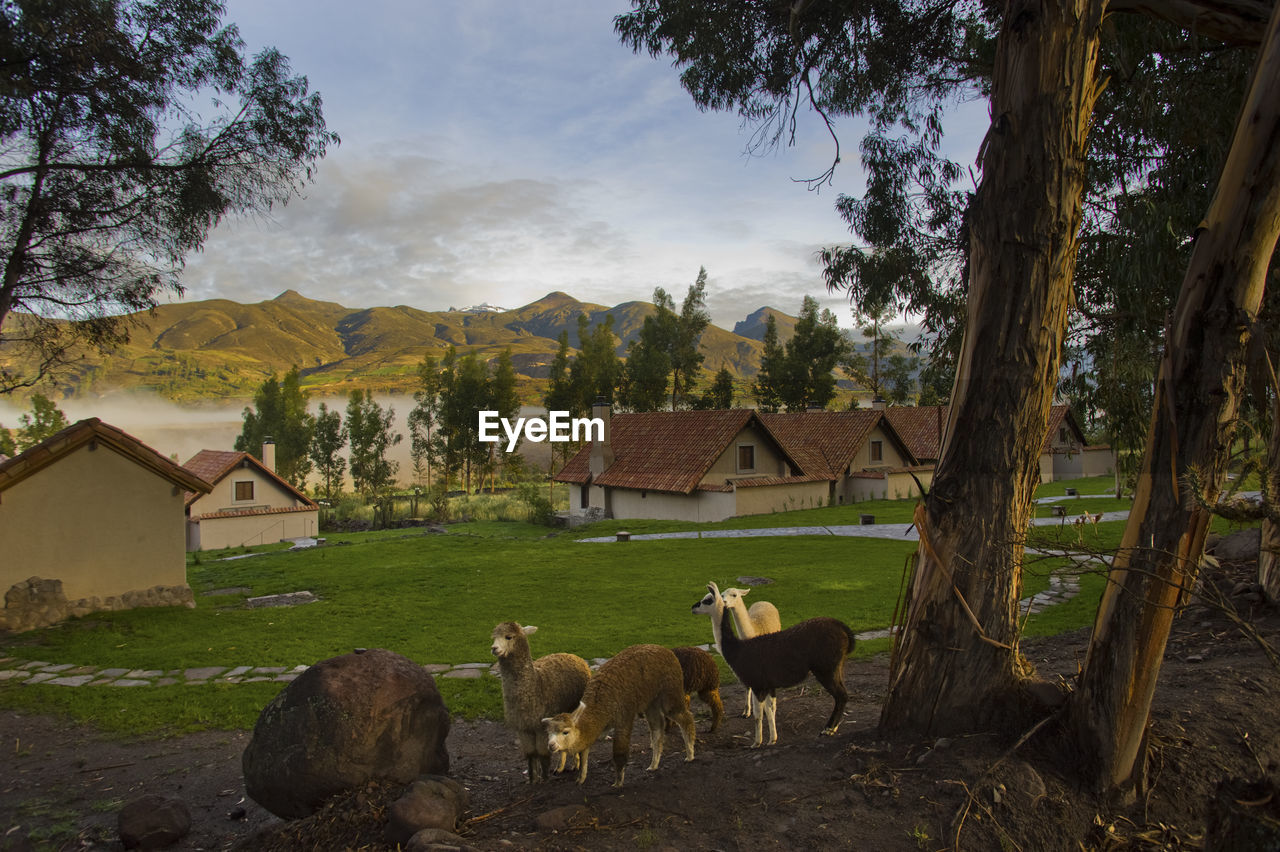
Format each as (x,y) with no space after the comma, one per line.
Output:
(1062,587)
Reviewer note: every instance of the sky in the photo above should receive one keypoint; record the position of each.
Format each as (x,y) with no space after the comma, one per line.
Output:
(496,152)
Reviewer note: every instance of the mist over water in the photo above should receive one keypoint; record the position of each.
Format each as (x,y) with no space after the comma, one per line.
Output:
(179,431)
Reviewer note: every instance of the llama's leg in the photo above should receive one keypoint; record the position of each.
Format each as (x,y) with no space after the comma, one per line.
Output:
(833,683)
(769,708)
(711,697)
(687,731)
(760,714)
(529,742)
(622,749)
(657,722)
(749,710)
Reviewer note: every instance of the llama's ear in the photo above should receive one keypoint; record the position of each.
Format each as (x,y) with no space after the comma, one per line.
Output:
(530,630)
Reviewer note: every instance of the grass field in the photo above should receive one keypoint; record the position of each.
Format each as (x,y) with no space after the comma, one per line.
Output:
(435,598)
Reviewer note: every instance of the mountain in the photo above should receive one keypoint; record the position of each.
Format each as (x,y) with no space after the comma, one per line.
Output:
(223,349)
(753,326)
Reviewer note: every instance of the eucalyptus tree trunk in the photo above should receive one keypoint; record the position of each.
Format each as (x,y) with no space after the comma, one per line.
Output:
(956,664)
(1269,552)
(1197,397)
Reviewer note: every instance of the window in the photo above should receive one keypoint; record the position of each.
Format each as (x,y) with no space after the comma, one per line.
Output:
(244,490)
(746,457)
(1062,435)
(877,451)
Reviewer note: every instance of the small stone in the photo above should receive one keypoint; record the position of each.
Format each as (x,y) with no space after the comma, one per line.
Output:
(153,822)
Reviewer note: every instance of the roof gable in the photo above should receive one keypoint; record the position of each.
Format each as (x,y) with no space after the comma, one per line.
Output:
(664,450)
(78,434)
(825,441)
(215,465)
(919,427)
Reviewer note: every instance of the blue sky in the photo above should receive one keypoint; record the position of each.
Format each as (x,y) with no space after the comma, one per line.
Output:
(496,151)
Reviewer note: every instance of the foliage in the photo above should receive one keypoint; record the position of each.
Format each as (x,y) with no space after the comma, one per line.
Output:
(720,394)
(799,375)
(280,413)
(667,348)
(327,440)
(369,431)
(128,130)
(540,509)
(7,446)
(43,421)
(772,377)
(596,372)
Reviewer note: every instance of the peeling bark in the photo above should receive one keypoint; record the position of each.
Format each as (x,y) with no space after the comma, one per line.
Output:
(956,661)
(1197,397)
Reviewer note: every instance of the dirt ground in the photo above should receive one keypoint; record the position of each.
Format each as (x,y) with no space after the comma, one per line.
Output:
(1217,716)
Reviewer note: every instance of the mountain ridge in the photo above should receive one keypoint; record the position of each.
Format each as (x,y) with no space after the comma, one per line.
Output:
(219,348)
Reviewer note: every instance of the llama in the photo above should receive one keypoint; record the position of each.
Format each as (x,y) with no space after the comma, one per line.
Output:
(641,679)
(701,675)
(770,662)
(761,618)
(532,689)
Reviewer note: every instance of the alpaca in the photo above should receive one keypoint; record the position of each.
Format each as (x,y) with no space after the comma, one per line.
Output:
(701,675)
(641,679)
(531,689)
(770,662)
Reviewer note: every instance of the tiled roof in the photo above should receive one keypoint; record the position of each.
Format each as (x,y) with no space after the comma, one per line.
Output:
(263,510)
(213,465)
(919,427)
(51,449)
(661,450)
(823,442)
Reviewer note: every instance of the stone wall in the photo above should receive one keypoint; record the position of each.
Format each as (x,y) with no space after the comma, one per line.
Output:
(35,603)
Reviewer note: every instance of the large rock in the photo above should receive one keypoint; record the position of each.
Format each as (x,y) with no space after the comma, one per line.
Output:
(1239,545)
(343,722)
(153,822)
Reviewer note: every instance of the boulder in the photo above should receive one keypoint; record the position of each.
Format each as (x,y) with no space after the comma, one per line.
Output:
(369,715)
(153,822)
(1239,545)
(433,802)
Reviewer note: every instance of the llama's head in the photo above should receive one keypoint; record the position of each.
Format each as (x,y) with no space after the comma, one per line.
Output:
(562,730)
(732,597)
(508,637)
(711,603)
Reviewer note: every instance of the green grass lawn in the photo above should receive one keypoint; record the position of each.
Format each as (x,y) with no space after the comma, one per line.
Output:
(436,597)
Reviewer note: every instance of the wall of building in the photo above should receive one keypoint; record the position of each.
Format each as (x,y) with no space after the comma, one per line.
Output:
(698,507)
(267,493)
(769,461)
(764,499)
(251,530)
(97,521)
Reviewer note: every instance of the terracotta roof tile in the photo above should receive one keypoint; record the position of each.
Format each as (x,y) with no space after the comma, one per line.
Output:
(919,427)
(213,465)
(661,450)
(823,441)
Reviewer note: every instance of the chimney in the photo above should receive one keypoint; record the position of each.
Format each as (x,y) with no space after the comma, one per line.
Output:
(877,404)
(602,450)
(269,453)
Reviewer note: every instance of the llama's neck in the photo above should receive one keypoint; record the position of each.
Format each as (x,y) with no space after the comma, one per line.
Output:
(741,619)
(725,640)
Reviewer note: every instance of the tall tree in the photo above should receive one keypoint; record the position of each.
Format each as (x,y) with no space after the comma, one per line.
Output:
(900,379)
(422,418)
(7,446)
(44,420)
(501,396)
(1193,425)
(812,353)
(596,372)
(116,162)
(648,369)
(872,322)
(327,441)
(686,357)
(280,413)
(559,397)
(370,432)
(772,378)
(720,394)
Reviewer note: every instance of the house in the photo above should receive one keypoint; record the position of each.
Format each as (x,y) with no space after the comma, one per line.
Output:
(91,519)
(249,503)
(710,465)
(859,450)
(1064,455)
